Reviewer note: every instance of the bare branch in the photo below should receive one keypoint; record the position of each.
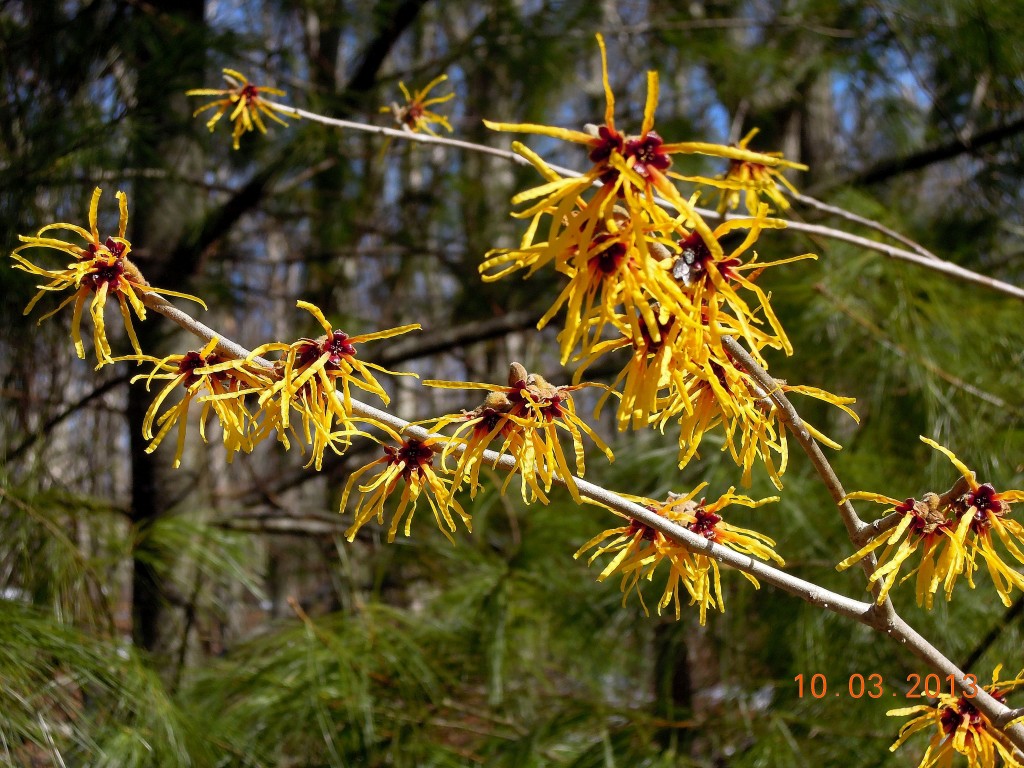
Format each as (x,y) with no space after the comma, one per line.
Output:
(882,618)
(929,262)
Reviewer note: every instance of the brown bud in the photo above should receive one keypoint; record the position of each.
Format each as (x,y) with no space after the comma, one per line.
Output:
(540,388)
(516,374)
(930,509)
(497,401)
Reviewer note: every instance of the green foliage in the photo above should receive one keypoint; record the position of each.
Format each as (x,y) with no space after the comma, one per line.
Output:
(500,650)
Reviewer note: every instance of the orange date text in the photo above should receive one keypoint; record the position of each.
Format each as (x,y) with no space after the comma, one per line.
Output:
(857,686)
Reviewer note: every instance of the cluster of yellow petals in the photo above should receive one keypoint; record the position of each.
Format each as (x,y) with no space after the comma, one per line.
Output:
(244,105)
(528,416)
(254,400)
(959,728)
(411,465)
(314,378)
(751,179)
(101,269)
(638,550)
(645,273)
(219,383)
(954,533)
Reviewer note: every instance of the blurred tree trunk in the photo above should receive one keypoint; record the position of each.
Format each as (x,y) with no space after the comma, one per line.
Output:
(159,213)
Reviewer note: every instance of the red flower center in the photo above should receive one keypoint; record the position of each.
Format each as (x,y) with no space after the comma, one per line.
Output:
(110,273)
(648,343)
(646,154)
(193,360)
(412,114)
(489,419)
(985,499)
(635,526)
(608,261)
(249,93)
(705,523)
(691,265)
(414,453)
(338,347)
(608,140)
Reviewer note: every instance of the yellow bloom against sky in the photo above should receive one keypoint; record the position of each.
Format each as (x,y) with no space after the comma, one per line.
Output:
(414,114)
(243,104)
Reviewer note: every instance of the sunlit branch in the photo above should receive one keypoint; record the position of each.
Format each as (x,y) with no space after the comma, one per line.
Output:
(928,261)
(885,621)
(850,216)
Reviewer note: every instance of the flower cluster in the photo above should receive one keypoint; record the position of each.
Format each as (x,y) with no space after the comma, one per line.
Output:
(219,383)
(639,550)
(752,178)
(253,400)
(960,728)
(527,415)
(410,464)
(645,273)
(244,105)
(314,379)
(101,269)
(952,532)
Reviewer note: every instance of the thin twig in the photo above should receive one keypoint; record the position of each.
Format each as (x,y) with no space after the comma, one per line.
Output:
(850,216)
(795,424)
(929,262)
(885,621)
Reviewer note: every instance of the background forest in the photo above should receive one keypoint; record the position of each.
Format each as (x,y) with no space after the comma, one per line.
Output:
(215,614)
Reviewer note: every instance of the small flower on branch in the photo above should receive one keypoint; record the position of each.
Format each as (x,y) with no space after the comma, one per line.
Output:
(528,414)
(950,533)
(411,466)
(414,115)
(753,176)
(639,550)
(219,384)
(101,269)
(711,280)
(243,104)
(960,728)
(315,377)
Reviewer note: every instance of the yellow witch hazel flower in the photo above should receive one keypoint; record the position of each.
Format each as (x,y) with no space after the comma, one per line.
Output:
(615,270)
(752,178)
(959,728)
(952,531)
(639,550)
(219,384)
(712,281)
(243,104)
(620,161)
(101,269)
(411,465)
(528,414)
(414,115)
(308,380)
